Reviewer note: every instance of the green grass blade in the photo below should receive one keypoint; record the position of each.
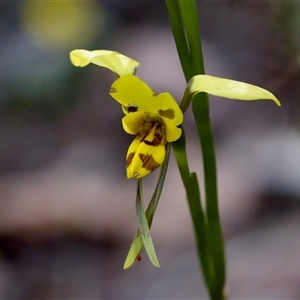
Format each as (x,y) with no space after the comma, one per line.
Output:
(180,38)
(137,243)
(144,227)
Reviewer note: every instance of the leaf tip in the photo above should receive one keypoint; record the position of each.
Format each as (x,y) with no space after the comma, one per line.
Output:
(130,263)
(277,101)
(157,265)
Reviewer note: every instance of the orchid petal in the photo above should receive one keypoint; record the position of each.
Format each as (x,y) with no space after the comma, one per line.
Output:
(228,88)
(133,122)
(145,154)
(131,91)
(173,133)
(114,61)
(145,160)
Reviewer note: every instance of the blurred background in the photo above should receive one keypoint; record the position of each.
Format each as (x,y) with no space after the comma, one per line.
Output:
(67,210)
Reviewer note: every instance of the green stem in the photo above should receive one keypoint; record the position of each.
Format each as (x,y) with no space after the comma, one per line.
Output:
(212,211)
(187,18)
(194,200)
(202,118)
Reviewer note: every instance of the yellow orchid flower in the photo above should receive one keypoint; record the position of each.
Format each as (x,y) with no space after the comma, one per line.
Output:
(152,117)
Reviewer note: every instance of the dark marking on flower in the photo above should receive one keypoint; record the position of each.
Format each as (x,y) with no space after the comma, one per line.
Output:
(151,143)
(158,138)
(129,159)
(169,113)
(149,163)
(145,130)
(155,94)
(131,108)
(112,90)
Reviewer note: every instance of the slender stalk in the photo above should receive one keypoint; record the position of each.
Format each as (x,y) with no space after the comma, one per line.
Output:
(202,118)
(212,211)
(194,201)
(186,12)
(159,187)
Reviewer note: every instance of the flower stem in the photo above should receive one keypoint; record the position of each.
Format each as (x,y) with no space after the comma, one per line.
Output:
(194,201)
(185,26)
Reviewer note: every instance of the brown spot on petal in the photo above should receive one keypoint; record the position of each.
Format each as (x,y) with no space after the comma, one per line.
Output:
(149,163)
(112,90)
(155,94)
(131,108)
(129,159)
(158,137)
(169,113)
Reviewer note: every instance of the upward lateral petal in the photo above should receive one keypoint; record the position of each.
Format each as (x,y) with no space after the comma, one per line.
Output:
(130,91)
(114,61)
(228,88)
(168,108)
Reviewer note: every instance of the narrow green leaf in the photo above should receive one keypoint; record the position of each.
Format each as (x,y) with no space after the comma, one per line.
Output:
(189,16)
(228,88)
(143,226)
(135,249)
(137,243)
(180,37)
